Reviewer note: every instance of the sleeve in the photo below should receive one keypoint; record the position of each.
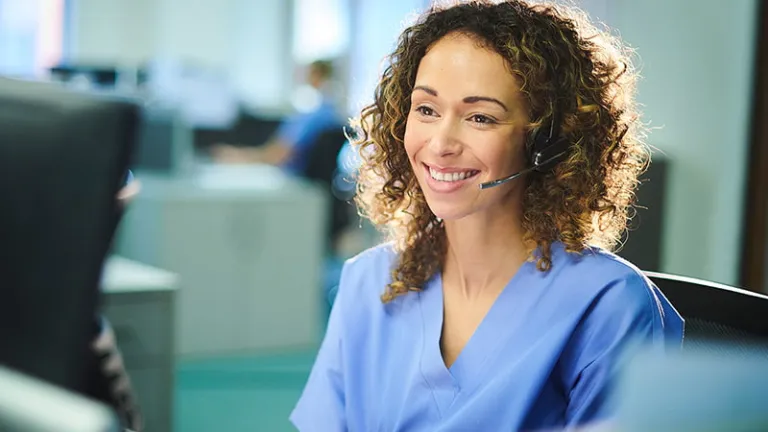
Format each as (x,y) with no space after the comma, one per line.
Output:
(322,403)
(298,131)
(625,313)
(291,130)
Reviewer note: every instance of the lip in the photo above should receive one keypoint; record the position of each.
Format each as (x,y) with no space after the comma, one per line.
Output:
(447,187)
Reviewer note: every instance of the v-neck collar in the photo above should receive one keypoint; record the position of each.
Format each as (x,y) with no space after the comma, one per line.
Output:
(464,374)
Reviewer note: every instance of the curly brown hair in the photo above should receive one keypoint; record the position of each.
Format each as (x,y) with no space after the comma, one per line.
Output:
(566,66)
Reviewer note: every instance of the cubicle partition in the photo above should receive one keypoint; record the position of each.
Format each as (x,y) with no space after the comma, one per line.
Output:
(139,302)
(247,242)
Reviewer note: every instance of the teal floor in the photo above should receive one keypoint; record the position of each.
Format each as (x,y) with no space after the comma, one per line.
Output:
(243,393)
(248,393)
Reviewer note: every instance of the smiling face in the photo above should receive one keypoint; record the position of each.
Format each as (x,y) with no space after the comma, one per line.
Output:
(466,126)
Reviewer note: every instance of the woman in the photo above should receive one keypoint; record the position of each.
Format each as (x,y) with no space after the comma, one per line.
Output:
(502,308)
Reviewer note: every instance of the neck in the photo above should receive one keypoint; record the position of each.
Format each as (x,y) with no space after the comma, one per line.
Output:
(484,251)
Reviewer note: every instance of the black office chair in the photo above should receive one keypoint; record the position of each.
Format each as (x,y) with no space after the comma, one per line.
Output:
(323,155)
(732,318)
(322,167)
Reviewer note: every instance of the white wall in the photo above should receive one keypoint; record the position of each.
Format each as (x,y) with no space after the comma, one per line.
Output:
(18,29)
(30,36)
(248,40)
(696,62)
(262,61)
(376,24)
(251,39)
(112,31)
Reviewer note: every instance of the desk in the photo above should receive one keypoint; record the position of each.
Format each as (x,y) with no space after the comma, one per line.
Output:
(139,304)
(248,244)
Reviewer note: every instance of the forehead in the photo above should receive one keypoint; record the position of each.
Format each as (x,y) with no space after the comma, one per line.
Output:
(461,65)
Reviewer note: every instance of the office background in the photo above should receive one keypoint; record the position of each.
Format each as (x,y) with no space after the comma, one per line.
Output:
(696,58)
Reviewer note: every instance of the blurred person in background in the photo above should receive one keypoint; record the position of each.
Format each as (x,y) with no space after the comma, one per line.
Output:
(293,141)
(500,154)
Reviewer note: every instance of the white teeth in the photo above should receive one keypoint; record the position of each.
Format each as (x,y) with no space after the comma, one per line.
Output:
(449,177)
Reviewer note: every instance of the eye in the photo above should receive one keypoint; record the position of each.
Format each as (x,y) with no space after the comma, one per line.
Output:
(482,119)
(425,111)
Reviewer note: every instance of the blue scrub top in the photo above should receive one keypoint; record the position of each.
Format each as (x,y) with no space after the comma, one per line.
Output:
(544,357)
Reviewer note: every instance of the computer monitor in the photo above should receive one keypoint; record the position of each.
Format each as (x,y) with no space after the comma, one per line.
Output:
(63,157)
(31,405)
(715,387)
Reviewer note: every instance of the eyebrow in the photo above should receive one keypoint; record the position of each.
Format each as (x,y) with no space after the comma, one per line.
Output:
(468,99)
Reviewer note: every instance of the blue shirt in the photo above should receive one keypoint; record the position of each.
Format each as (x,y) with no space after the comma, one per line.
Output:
(545,355)
(301,130)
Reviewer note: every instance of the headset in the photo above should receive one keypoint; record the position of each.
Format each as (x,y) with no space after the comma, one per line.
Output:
(546,149)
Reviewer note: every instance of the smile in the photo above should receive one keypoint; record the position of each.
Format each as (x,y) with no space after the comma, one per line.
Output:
(452,176)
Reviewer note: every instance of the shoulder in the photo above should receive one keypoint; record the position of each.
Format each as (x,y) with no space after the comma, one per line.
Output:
(366,275)
(372,263)
(382,255)
(593,267)
(596,275)
(613,291)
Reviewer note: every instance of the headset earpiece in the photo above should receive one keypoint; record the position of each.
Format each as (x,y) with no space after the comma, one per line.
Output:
(547,147)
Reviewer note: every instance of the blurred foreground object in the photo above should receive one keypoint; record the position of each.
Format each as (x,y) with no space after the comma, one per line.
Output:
(31,405)
(718,388)
(63,158)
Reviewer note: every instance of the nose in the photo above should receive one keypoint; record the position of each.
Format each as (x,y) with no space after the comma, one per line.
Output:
(445,141)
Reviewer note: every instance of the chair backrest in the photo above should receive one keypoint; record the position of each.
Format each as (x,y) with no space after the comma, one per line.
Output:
(717,313)
(321,167)
(322,158)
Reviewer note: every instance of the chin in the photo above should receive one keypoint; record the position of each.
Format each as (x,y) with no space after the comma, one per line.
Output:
(449,211)
(456,208)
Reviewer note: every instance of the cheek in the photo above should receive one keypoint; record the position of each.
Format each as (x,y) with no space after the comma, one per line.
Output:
(413,139)
(498,154)
(515,152)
